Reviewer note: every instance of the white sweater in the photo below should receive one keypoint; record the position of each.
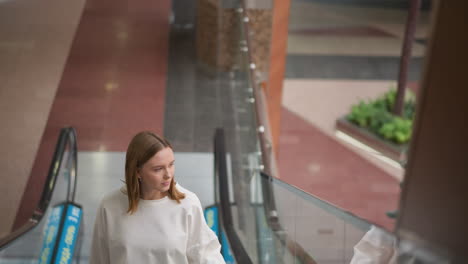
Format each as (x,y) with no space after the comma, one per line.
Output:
(160,231)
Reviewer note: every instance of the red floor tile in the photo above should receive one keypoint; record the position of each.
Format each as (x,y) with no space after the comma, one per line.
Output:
(320,165)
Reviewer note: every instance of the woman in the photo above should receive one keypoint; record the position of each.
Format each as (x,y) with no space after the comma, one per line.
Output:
(153,219)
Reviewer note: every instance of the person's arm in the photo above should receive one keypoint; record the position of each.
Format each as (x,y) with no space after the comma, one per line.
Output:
(375,247)
(203,245)
(99,245)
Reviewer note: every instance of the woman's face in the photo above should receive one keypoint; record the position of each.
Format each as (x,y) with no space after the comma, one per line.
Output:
(157,173)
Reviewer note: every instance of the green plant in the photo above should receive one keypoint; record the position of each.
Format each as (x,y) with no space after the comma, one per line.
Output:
(361,114)
(377,117)
(397,130)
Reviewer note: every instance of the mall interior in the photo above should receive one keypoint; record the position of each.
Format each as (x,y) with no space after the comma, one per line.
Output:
(312,131)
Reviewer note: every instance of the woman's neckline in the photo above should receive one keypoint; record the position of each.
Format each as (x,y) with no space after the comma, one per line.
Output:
(156,201)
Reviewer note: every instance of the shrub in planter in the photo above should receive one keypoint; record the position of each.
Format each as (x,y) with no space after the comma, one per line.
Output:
(376,116)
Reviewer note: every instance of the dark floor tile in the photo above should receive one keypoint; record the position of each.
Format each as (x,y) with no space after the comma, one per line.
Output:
(192,103)
(348,67)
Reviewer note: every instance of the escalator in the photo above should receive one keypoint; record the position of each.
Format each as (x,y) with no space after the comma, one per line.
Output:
(258,218)
(53,234)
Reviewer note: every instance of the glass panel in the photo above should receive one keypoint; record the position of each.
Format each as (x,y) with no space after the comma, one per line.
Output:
(286,225)
(240,127)
(240,116)
(319,231)
(338,131)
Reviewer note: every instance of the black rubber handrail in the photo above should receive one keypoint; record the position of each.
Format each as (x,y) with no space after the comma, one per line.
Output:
(238,249)
(67,137)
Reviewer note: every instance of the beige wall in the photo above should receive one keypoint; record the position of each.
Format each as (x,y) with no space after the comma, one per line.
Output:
(34,44)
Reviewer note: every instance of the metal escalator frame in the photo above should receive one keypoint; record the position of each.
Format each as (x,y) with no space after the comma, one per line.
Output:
(240,254)
(67,137)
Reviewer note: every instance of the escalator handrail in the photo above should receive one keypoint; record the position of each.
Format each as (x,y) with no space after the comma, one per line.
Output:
(260,101)
(264,136)
(67,137)
(238,249)
(328,207)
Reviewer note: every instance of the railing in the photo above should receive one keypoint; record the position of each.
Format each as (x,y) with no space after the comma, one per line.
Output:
(64,163)
(267,220)
(299,230)
(260,104)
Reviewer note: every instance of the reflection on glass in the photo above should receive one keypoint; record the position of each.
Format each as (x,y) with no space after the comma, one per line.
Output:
(341,131)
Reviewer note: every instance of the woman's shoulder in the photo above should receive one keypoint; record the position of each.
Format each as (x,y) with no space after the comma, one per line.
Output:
(191,199)
(114,198)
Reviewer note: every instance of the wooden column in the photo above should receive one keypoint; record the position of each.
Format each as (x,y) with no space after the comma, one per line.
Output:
(435,193)
(274,91)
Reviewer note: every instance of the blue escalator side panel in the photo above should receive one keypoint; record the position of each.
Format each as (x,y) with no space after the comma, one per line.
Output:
(211,217)
(226,250)
(50,234)
(69,236)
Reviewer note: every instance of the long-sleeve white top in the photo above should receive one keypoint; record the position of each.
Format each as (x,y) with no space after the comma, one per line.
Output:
(160,231)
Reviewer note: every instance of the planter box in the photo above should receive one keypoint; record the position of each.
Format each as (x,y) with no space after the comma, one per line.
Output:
(387,148)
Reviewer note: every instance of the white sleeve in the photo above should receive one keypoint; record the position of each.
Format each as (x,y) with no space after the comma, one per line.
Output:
(203,245)
(99,245)
(374,247)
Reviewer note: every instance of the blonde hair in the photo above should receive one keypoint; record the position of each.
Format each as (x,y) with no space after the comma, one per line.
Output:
(143,147)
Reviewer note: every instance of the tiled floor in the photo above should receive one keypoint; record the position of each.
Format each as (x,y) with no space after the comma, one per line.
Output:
(193,100)
(117,68)
(324,167)
(310,100)
(348,45)
(304,66)
(113,82)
